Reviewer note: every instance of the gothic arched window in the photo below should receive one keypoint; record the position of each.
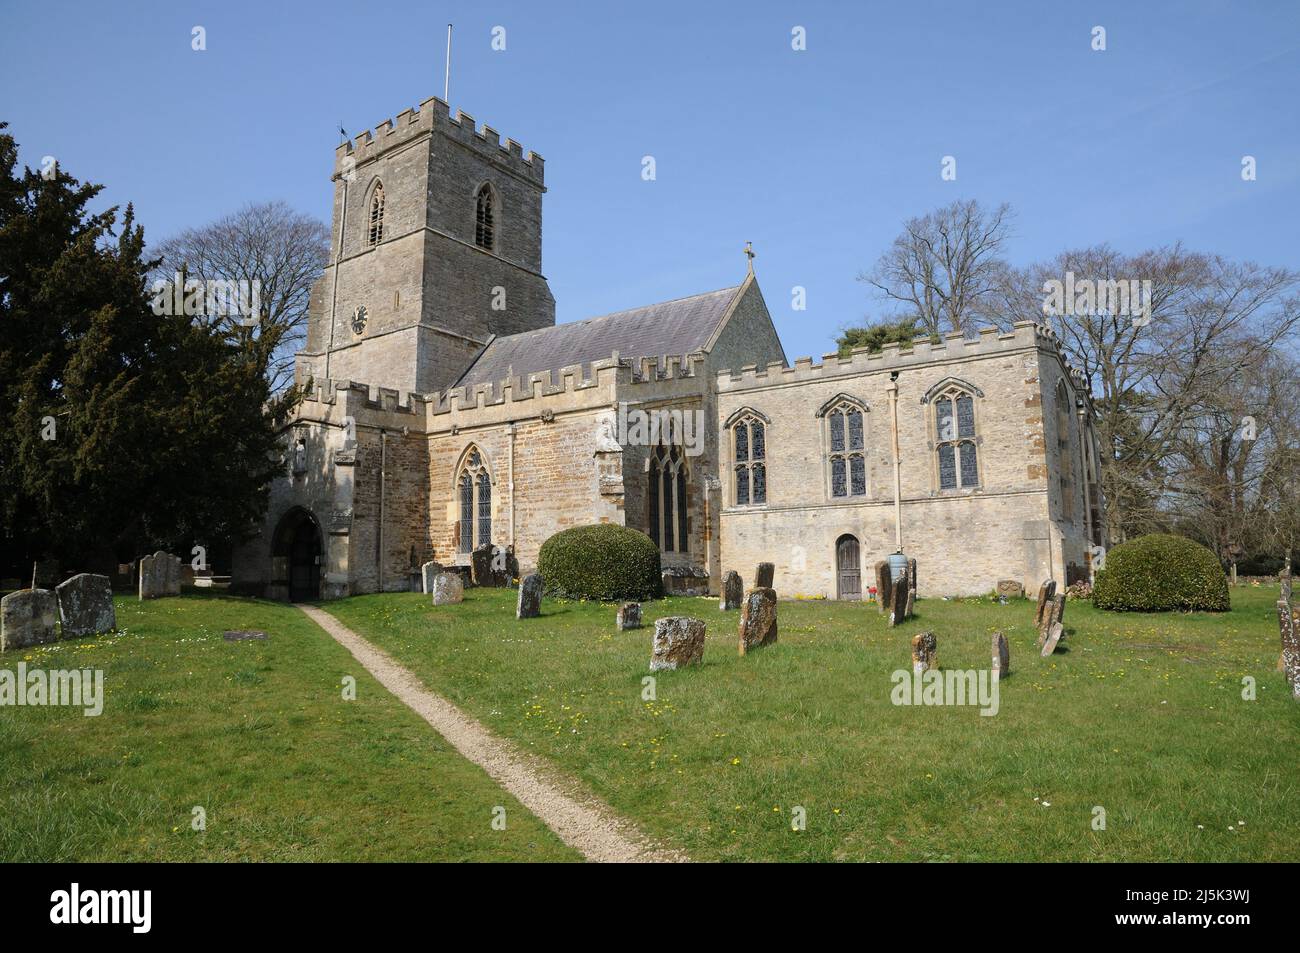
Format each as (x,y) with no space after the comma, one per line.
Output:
(474,490)
(954,425)
(1065,459)
(376,234)
(668,514)
(485,221)
(845,442)
(749,460)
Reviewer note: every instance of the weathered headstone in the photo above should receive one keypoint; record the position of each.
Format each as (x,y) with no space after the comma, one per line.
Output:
(428,573)
(27,617)
(1046,593)
(678,642)
(925,652)
(1059,614)
(45,574)
(493,566)
(764,575)
(898,599)
(1053,614)
(883,584)
(685,581)
(629,616)
(733,591)
(1001,656)
(160,575)
(758,619)
(85,605)
(1053,637)
(1290,645)
(448,589)
(244,635)
(530,597)
(911,577)
(1010,589)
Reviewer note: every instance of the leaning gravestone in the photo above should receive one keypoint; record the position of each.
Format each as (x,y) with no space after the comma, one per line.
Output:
(1290,645)
(764,575)
(898,599)
(758,619)
(883,584)
(733,591)
(428,573)
(27,617)
(629,616)
(1053,637)
(678,642)
(530,597)
(911,577)
(1046,593)
(85,605)
(448,589)
(925,653)
(1053,614)
(1001,656)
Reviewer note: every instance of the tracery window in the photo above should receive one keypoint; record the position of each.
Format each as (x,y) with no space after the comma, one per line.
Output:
(668,511)
(376,234)
(749,456)
(485,218)
(954,423)
(845,441)
(474,487)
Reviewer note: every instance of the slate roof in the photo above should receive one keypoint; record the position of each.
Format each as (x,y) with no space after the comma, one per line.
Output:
(683,326)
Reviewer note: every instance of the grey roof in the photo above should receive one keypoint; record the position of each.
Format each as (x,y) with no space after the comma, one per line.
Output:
(683,326)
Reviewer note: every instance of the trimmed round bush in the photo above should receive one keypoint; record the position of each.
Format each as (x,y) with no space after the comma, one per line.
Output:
(603,561)
(1159,573)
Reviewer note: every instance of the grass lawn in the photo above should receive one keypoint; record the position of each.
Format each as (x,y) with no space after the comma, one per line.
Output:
(1141,715)
(256,733)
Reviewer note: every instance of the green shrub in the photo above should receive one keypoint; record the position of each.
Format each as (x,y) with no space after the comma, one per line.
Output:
(1158,573)
(602,561)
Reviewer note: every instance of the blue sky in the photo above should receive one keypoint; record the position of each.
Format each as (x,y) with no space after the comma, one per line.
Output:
(817,157)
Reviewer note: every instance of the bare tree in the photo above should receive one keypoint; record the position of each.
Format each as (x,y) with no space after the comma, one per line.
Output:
(284,251)
(946,269)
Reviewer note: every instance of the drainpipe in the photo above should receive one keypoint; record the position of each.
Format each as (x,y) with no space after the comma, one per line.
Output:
(510,432)
(383,463)
(1083,475)
(334,285)
(892,390)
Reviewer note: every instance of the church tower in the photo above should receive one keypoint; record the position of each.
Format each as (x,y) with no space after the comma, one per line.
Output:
(436,247)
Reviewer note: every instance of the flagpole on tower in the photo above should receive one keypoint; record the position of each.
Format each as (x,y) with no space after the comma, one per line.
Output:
(446,79)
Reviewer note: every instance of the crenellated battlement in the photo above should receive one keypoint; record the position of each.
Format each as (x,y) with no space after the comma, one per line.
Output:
(351,397)
(954,346)
(434,115)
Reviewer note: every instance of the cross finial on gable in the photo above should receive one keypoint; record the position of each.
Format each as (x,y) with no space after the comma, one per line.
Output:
(749,253)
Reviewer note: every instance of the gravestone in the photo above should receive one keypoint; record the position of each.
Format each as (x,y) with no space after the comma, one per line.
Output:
(530,597)
(685,581)
(898,599)
(493,566)
(1290,630)
(1053,614)
(629,616)
(45,574)
(1046,593)
(764,575)
(925,653)
(160,575)
(428,573)
(1001,656)
(85,605)
(1010,589)
(758,619)
(883,584)
(448,589)
(1053,637)
(678,642)
(733,591)
(911,578)
(27,617)
(911,600)
(245,635)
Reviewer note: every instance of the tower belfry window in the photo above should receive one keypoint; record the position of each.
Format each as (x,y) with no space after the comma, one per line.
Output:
(485,219)
(376,234)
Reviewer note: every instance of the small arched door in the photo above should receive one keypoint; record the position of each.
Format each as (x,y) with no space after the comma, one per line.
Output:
(848,571)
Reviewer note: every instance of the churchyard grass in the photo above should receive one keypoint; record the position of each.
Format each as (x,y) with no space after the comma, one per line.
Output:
(257,734)
(1139,715)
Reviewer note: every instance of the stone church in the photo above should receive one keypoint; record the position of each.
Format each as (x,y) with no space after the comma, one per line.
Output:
(448,411)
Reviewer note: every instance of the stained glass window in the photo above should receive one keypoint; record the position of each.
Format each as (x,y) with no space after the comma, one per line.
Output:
(947,467)
(838,485)
(943,414)
(742,486)
(954,422)
(654,500)
(857,475)
(749,438)
(759,442)
(845,438)
(466,513)
(969,468)
(742,441)
(837,432)
(855,429)
(484,510)
(475,489)
(760,483)
(965,416)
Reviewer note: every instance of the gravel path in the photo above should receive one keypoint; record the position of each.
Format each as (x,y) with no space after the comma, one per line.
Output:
(585,824)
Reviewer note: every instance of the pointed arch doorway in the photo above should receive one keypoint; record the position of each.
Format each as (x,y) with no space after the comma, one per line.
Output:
(299,549)
(848,568)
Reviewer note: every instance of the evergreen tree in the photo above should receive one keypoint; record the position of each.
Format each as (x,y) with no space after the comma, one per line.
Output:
(876,336)
(124,430)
